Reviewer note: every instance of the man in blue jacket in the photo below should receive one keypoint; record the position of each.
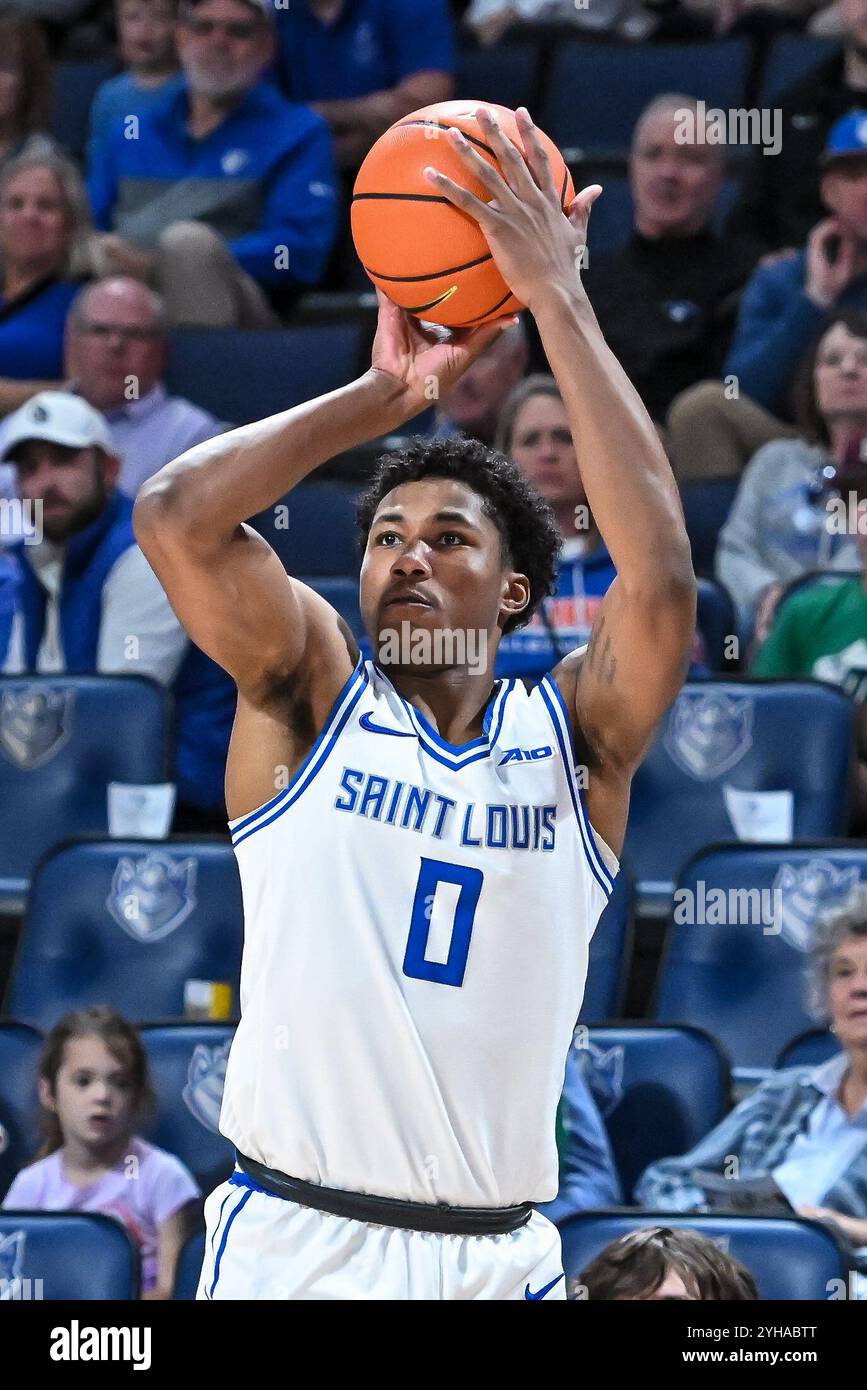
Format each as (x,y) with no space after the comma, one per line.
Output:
(223,194)
(788,297)
(84,598)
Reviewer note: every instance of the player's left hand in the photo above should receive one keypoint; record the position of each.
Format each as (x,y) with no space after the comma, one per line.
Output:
(536,247)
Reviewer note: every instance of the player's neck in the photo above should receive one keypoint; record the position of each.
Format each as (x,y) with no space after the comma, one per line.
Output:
(453,701)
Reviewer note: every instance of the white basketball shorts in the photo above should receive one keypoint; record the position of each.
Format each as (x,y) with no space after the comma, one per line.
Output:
(259,1246)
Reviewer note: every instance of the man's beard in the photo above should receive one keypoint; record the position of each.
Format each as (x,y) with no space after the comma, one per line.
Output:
(219,88)
(78,518)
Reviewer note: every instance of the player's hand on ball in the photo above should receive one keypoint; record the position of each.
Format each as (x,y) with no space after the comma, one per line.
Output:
(536,247)
(426,361)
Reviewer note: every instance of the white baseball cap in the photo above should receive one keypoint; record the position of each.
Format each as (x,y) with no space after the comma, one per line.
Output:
(58,417)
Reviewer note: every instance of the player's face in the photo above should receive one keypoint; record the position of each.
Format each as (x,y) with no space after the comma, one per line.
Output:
(434,562)
(92,1095)
(542,448)
(674,185)
(223,46)
(72,485)
(848,992)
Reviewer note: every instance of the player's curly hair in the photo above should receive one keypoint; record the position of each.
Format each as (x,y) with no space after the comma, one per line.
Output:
(530,539)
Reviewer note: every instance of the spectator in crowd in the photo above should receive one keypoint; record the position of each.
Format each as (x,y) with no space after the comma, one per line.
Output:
(362,64)
(667,301)
(778,527)
(804,1128)
(44,230)
(88,601)
(534,432)
(781,200)
(228,195)
(146,40)
(116,351)
(788,297)
(662,1264)
(488,20)
(472,406)
(588,1176)
(25,88)
(94,1090)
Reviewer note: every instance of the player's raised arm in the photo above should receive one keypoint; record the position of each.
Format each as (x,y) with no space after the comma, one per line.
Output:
(224,581)
(643,632)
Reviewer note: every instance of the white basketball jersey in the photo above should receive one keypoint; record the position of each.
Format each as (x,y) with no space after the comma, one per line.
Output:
(418,917)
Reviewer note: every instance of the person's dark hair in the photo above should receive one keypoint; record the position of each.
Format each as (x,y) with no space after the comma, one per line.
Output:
(530,539)
(805,409)
(24,41)
(635,1266)
(122,1041)
(539,384)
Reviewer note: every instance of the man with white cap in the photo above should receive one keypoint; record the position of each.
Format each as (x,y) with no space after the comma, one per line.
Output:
(88,601)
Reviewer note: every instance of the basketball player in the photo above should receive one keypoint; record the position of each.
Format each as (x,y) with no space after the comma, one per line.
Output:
(424,853)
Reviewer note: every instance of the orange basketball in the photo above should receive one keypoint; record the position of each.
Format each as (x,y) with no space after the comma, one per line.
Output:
(422,251)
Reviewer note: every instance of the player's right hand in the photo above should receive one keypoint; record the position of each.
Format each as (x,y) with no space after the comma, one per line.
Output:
(425,361)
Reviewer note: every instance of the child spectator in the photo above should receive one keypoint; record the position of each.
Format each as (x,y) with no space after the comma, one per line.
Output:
(146,39)
(93,1091)
(660,1264)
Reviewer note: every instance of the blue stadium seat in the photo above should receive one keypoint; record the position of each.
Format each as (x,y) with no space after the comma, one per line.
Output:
(715,622)
(706,506)
(190,1267)
(787,1257)
(611,223)
(313,530)
(629,76)
(743,977)
(660,1090)
(245,374)
(504,74)
(75,86)
(20,1047)
(608,956)
(77,1255)
(62,740)
(188,1067)
(791,57)
(722,737)
(127,923)
(808,1049)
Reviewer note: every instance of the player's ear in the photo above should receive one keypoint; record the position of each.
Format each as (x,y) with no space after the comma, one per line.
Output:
(515,596)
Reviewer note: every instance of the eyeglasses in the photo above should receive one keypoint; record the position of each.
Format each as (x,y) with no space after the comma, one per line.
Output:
(128,332)
(232,28)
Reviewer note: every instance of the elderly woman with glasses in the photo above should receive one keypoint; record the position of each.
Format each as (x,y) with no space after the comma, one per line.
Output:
(805,1128)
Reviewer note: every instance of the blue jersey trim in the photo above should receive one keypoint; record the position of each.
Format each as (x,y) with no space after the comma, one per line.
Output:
(452,755)
(243,1202)
(315,760)
(559,719)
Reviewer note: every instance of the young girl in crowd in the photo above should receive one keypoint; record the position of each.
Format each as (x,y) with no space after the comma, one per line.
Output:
(94,1088)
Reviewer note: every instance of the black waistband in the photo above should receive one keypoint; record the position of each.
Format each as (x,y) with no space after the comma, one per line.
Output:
(388,1211)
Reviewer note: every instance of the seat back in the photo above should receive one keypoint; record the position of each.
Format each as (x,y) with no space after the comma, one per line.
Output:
(241,375)
(724,740)
(75,86)
(706,506)
(190,1267)
(313,531)
(609,956)
(715,622)
(659,1089)
(788,1258)
(20,1047)
(70,1255)
(188,1067)
(63,739)
(744,922)
(789,58)
(127,923)
(808,1049)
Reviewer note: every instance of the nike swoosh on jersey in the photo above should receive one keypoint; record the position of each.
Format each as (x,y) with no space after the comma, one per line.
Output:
(366,722)
(542,1292)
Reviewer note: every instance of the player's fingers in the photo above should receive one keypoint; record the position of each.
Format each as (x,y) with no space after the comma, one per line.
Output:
(474,341)
(487,174)
(537,159)
(509,157)
(579,208)
(461,197)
